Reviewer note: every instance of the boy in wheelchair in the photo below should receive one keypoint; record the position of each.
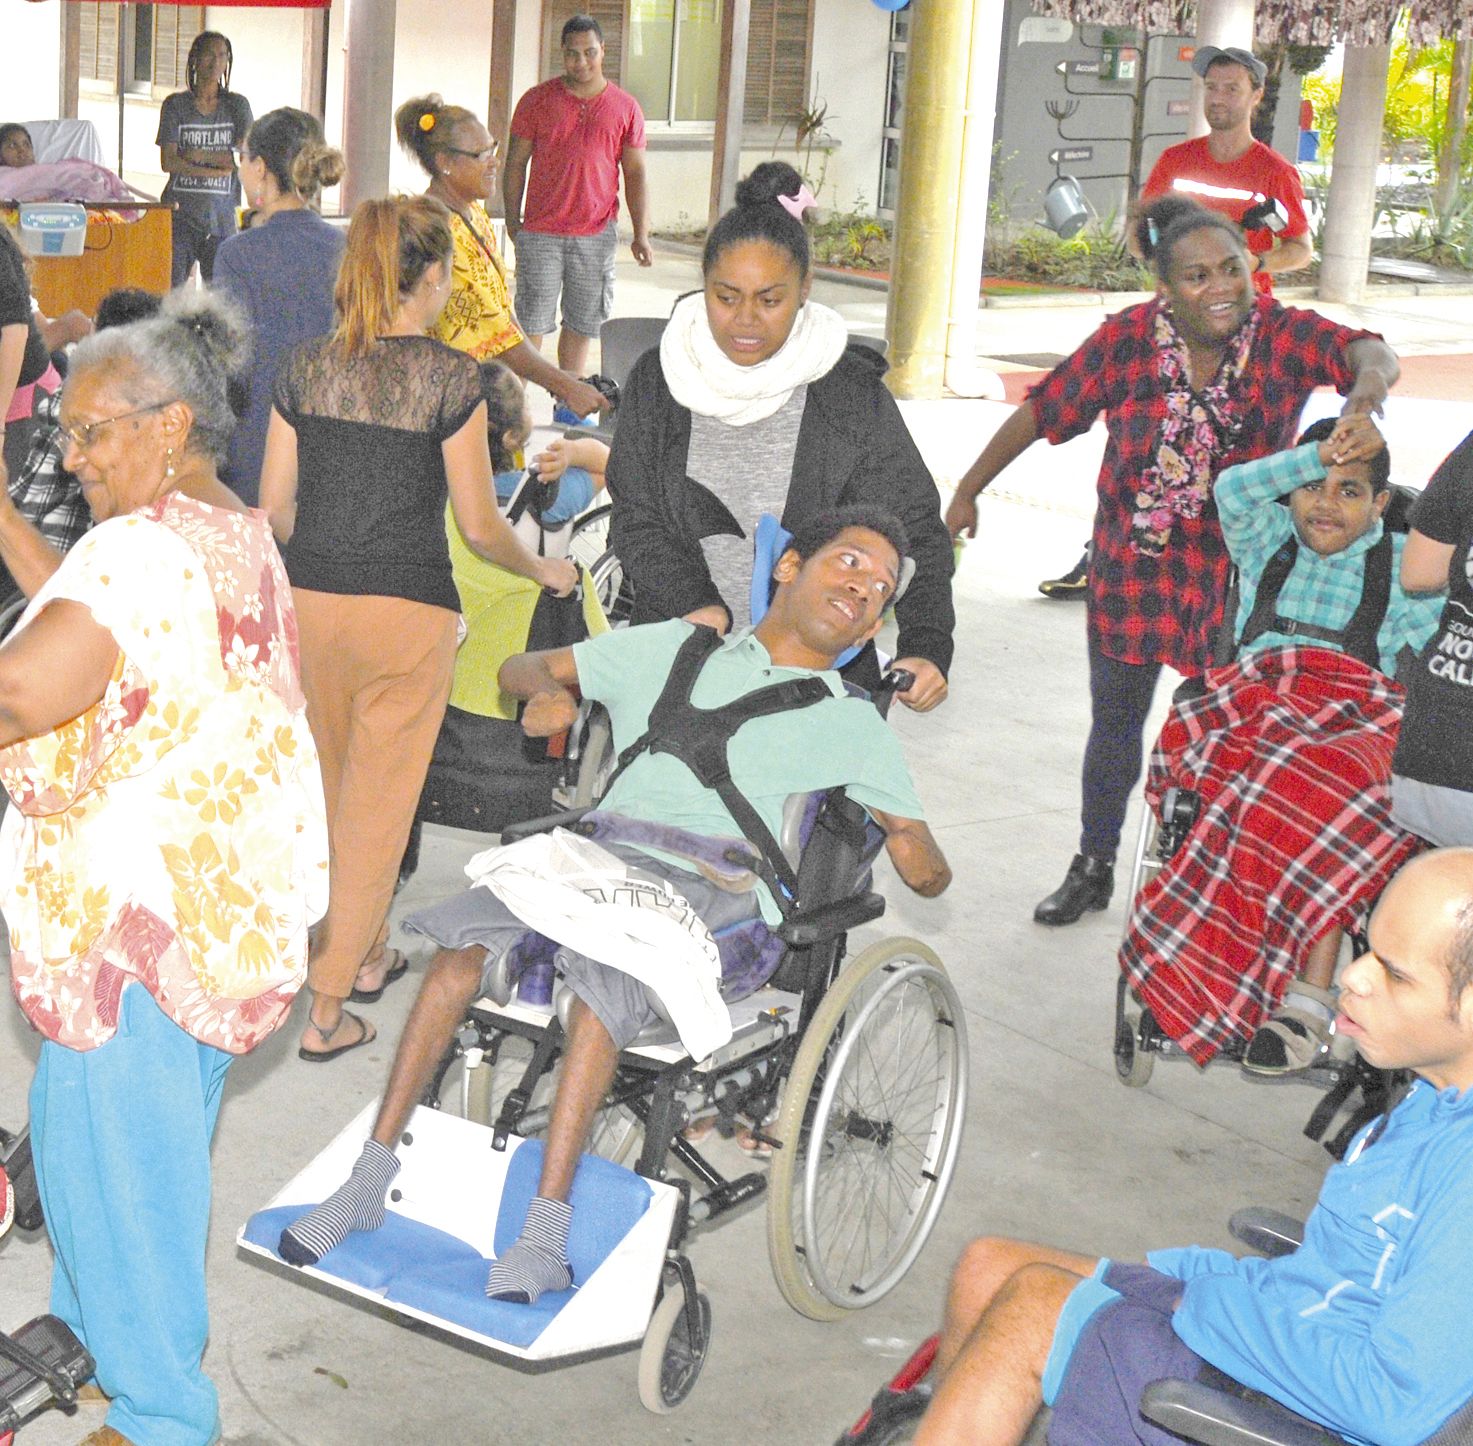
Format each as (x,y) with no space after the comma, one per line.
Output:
(1363,1328)
(1289,750)
(834,583)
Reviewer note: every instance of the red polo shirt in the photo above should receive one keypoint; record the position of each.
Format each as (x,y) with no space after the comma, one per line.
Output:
(1232,187)
(573,189)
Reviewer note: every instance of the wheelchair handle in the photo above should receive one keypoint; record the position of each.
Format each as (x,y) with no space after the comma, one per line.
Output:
(897,680)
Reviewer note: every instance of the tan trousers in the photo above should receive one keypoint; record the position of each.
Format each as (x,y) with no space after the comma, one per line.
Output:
(376,672)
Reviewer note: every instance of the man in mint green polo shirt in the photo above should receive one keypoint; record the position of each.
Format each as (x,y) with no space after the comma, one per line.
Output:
(834,583)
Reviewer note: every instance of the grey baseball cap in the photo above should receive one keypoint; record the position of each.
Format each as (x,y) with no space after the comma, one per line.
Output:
(1208,55)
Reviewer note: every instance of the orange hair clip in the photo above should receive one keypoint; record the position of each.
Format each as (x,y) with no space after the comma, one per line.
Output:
(427,121)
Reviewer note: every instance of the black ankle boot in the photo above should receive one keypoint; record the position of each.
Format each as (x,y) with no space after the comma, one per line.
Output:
(1088,885)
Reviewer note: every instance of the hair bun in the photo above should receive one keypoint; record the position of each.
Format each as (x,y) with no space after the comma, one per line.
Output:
(211,323)
(767,182)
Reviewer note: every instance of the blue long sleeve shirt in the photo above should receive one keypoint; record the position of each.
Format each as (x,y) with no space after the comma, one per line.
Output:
(1365,1326)
(1323,591)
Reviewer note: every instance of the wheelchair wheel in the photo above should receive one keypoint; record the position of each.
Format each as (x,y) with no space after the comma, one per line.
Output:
(614,591)
(1132,1063)
(589,538)
(871,1122)
(668,1361)
(596,760)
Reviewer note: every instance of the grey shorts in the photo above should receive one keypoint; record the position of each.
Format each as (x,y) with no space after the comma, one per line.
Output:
(478,918)
(581,267)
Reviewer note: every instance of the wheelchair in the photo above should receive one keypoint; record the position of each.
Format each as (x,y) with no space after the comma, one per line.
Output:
(860,1162)
(1139,1040)
(1213,1410)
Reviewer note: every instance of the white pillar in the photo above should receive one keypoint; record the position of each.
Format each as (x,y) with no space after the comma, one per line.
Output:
(963,376)
(368,104)
(1222,23)
(1350,206)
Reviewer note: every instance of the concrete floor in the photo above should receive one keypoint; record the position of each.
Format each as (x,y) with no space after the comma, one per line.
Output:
(1055,1146)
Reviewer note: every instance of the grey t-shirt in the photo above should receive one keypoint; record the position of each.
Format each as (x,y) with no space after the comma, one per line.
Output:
(207,202)
(750,469)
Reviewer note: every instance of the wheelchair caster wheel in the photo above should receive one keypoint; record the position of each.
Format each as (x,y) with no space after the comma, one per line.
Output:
(668,1361)
(1132,1063)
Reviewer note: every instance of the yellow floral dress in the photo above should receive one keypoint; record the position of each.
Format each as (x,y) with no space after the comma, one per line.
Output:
(477,319)
(174,833)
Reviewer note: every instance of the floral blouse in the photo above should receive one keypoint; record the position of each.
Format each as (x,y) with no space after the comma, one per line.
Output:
(174,833)
(477,319)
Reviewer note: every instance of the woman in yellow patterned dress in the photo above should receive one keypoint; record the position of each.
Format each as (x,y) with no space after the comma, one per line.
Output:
(165,850)
(459,156)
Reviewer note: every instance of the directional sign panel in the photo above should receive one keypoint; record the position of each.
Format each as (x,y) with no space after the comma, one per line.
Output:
(1066,154)
(1078,67)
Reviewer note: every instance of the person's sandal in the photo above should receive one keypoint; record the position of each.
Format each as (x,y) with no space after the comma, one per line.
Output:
(1291,1039)
(366,1035)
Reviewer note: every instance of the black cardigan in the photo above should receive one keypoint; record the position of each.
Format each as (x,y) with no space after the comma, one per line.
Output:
(853,446)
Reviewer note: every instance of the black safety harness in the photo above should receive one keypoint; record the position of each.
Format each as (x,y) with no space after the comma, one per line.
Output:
(1357,637)
(699,738)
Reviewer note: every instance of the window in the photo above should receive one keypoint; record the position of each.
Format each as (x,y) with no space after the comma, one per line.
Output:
(894,112)
(667,54)
(156,41)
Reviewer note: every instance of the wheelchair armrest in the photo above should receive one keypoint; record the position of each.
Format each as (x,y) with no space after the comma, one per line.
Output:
(515,831)
(1202,1413)
(828,921)
(1269,1232)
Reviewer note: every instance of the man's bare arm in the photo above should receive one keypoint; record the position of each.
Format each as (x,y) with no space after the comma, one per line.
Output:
(915,853)
(548,681)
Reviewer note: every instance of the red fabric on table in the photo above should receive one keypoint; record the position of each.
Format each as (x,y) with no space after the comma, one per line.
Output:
(1290,750)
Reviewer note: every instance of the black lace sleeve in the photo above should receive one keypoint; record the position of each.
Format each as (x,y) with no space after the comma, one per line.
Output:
(460,393)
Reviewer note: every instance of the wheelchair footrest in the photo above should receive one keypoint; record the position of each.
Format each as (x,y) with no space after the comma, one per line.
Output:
(727,1196)
(52,1364)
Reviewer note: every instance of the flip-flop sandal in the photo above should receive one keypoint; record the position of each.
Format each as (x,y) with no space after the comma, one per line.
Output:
(397,970)
(700,1129)
(748,1143)
(366,1035)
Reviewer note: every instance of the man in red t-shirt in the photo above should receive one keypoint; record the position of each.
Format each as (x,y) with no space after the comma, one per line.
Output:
(1228,171)
(578,131)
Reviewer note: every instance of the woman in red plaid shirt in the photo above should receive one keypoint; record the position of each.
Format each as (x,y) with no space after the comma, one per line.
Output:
(1203,376)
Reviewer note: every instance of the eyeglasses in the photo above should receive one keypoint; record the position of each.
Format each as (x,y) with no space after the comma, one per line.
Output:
(84,434)
(490,153)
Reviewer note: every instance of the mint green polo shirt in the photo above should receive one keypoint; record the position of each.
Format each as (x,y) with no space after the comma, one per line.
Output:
(839,740)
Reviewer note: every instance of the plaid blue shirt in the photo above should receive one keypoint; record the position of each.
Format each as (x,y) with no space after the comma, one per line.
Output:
(44,492)
(1322,591)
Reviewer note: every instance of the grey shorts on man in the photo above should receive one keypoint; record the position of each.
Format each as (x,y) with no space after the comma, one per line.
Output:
(580,267)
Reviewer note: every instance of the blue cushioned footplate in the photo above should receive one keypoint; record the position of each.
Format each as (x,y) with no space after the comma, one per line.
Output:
(456,1292)
(372,1258)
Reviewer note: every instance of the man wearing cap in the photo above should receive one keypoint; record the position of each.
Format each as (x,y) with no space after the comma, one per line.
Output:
(1228,171)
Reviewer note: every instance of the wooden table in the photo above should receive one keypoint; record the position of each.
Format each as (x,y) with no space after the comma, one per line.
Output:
(119,253)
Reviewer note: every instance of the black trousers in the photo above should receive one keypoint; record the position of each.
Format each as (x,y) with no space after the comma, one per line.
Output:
(1120,698)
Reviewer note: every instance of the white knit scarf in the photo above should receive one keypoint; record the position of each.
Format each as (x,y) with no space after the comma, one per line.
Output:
(702,378)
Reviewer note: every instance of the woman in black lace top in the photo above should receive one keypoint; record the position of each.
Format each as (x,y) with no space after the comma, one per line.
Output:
(371,427)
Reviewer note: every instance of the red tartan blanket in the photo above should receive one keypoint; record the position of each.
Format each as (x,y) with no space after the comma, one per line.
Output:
(1290,750)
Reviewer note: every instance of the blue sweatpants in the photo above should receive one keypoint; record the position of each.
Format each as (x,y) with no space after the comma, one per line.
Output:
(121,1136)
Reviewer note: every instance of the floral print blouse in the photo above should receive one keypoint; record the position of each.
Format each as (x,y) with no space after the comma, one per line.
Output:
(174,833)
(477,318)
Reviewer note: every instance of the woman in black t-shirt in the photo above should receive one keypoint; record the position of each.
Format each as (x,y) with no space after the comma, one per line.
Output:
(370,428)
(1432,772)
(24,360)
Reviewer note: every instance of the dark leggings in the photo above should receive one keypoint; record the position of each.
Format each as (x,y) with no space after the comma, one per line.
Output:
(1120,698)
(192,243)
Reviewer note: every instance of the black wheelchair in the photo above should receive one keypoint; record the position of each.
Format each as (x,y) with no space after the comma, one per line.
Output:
(860,1063)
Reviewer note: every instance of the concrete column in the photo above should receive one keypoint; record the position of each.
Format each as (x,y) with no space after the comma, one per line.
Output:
(925,214)
(1219,22)
(731,104)
(368,103)
(1351,204)
(963,376)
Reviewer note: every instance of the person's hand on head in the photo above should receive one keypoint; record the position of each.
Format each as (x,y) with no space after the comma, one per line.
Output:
(1368,398)
(1356,438)
(710,617)
(557,575)
(928,689)
(550,713)
(961,516)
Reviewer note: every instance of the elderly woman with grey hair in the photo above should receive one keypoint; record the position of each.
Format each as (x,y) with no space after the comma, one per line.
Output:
(166,849)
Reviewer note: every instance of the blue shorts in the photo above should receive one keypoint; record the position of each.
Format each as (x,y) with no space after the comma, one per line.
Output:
(1114,1337)
(575,491)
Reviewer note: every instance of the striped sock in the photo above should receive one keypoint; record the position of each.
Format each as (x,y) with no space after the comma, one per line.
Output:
(357,1204)
(538,1261)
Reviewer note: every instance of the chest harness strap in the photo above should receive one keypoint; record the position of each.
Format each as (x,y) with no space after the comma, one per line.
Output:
(699,738)
(1357,637)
